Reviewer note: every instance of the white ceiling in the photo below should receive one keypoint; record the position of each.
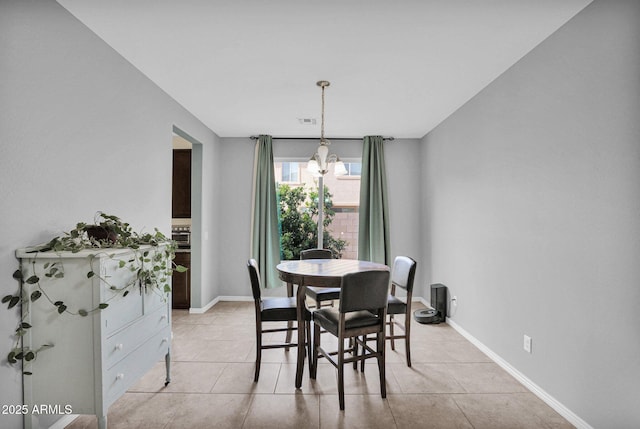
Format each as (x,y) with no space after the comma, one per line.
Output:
(397,68)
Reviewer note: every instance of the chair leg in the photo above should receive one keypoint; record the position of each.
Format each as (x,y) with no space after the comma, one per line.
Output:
(353,345)
(289,323)
(258,352)
(381,363)
(289,333)
(391,334)
(407,338)
(341,373)
(313,368)
(364,341)
(307,327)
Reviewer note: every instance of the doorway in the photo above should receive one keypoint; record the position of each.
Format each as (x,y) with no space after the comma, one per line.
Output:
(187,221)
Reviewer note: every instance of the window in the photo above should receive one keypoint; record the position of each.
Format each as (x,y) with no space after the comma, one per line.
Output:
(296,192)
(291,172)
(353,168)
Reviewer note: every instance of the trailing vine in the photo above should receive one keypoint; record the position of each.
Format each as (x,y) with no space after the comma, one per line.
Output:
(151,266)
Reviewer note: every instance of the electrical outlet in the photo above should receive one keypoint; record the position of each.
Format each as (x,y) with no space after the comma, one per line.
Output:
(527,343)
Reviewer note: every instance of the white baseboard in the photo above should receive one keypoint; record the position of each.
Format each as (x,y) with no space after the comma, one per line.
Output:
(200,310)
(236,298)
(64,421)
(565,412)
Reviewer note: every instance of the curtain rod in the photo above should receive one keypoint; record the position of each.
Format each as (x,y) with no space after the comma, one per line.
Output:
(317,138)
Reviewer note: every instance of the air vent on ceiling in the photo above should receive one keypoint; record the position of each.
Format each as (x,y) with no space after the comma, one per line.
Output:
(307,121)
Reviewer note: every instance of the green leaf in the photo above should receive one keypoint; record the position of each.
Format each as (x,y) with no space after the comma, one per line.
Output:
(102,306)
(83,313)
(90,274)
(181,269)
(29,356)
(33,279)
(61,308)
(17,274)
(35,295)
(27,373)
(25,325)
(46,265)
(14,301)
(6,298)
(126,292)
(59,275)
(167,288)
(121,264)
(11,357)
(58,303)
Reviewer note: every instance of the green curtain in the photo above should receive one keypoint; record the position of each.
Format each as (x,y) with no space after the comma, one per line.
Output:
(265,233)
(373,232)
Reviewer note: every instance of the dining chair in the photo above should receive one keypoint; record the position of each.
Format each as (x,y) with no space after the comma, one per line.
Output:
(362,311)
(320,294)
(402,275)
(274,310)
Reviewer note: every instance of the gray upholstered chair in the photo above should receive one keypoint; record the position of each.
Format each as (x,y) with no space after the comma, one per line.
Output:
(273,310)
(402,275)
(320,294)
(362,311)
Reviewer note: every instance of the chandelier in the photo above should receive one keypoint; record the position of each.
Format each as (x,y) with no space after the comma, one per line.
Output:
(318,165)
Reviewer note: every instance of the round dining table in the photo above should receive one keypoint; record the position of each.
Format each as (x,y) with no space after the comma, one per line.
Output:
(320,273)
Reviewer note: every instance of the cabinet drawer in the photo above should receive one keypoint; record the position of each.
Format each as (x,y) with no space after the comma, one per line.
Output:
(128,371)
(122,310)
(120,344)
(153,299)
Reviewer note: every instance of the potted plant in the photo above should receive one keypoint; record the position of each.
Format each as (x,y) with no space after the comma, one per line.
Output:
(151,267)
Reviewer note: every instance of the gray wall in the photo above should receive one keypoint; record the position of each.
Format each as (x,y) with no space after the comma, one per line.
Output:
(403,166)
(532,204)
(81,130)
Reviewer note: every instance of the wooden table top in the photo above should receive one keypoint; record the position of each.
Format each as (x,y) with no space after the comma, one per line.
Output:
(323,272)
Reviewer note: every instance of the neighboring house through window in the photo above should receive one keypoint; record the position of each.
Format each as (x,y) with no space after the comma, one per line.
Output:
(290,172)
(353,168)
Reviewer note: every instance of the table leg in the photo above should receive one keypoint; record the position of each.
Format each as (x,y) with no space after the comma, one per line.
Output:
(300,297)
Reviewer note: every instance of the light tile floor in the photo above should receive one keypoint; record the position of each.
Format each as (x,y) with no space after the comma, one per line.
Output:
(451,384)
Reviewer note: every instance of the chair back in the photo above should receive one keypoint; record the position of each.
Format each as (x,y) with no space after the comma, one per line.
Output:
(254,275)
(404,270)
(316,254)
(367,290)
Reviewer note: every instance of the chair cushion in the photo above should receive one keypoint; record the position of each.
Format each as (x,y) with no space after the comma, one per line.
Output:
(323,293)
(329,319)
(396,306)
(280,309)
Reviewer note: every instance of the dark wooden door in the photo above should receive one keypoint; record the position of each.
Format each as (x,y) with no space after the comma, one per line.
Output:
(181,282)
(181,197)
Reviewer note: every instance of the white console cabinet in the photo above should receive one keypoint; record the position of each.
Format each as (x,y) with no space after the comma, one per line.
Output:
(95,358)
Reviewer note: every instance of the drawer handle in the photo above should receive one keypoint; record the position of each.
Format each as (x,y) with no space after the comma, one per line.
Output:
(119,346)
(120,376)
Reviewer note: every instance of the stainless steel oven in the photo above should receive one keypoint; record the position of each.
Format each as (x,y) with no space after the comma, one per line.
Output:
(181,235)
